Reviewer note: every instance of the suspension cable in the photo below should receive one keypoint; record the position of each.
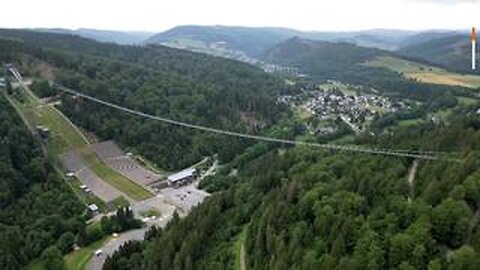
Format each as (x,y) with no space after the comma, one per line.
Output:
(350,148)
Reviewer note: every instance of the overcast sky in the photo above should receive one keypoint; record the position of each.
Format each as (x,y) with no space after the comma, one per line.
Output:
(158,15)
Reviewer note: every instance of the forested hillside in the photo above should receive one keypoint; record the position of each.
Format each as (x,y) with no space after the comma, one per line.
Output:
(321,61)
(299,208)
(272,206)
(252,41)
(170,83)
(451,52)
(37,209)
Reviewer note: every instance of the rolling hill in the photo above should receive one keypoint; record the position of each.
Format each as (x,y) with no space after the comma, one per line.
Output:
(320,61)
(251,41)
(426,36)
(313,55)
(451,52)
(255,41)
(119,37)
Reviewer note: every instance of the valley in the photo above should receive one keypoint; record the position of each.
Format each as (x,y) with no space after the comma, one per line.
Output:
(329,154)
(102,176)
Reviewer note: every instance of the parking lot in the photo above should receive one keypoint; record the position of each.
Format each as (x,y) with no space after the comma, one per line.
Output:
(157,203)
(123,163)
(185,197)
(72,162)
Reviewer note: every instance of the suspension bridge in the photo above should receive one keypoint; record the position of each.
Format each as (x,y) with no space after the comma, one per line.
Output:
(414,154)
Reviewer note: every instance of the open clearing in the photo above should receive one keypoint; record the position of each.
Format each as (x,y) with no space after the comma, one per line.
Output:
(425,73)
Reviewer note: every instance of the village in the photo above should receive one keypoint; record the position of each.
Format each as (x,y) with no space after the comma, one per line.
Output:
(328,103)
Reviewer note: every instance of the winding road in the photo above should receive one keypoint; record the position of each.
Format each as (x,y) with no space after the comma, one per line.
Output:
(96,262)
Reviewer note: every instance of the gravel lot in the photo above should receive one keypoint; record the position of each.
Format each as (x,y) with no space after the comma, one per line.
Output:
(99,187)
(107,149)
(72,162)
(112,155)
(185,197)
(156,203)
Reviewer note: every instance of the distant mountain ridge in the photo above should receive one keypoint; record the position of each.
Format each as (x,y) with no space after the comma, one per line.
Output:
(119,37)
(251,41)
(446,48)
(254,41)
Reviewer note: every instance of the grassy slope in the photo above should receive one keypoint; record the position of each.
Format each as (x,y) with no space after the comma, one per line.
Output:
(70,135)
(425,73)
(65,137)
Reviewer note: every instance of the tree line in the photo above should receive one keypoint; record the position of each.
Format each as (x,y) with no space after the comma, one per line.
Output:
(309,209)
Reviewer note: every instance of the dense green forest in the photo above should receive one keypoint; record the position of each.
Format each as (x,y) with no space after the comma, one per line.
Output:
(37,209)
(305,209)
(285,207)
(171,83)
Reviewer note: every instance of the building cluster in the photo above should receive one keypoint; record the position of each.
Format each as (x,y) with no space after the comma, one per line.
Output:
(356,110)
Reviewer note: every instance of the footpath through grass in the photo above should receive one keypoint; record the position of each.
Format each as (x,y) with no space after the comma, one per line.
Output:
(237,249)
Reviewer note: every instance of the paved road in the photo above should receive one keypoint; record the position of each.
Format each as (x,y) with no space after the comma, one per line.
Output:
(183,198)
(96,263)
(351,125)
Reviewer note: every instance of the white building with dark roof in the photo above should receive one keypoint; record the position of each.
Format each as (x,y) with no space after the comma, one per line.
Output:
(182,177)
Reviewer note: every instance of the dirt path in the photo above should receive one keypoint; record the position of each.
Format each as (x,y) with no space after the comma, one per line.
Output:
(472,224)
(243,266)
(411,177)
